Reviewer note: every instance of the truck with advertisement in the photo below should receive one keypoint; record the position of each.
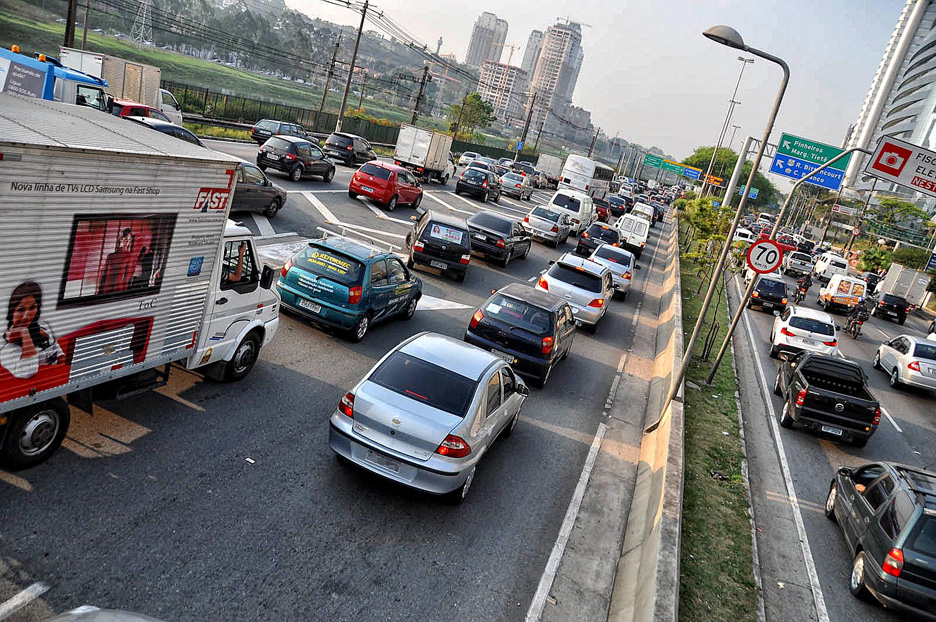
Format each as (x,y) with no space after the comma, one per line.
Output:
(427,154)
(904,282)
(117,261)
(125,79)
(46,78)
(551,166)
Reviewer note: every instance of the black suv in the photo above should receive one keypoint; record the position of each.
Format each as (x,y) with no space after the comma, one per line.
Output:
(297,157)
(891,307)
(439,241)
(887,513)
(596,235)
(499,237)
(348,148)
(479,183)
(265,128)
(769,294)
(529,328)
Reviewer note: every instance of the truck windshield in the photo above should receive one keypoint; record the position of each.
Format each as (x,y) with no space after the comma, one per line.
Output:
(91,97)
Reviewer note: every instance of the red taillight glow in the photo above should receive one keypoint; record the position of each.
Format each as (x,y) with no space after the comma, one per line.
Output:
(787,332)
(526,219)
(783,301)
(543,283)
(518,185)
(877,416)
(585,234)
(547,345)
(801,398)
(350,147)
(346,405)
(754,294)
(894,562)
(289,156)
(484,185)
(628,276)
(464,259)
(453,447)
(555,228)
(832,343)
(286,267)
(500,243)
(597,303)
(914,365)
(418,246)
(354,295)
(477,317)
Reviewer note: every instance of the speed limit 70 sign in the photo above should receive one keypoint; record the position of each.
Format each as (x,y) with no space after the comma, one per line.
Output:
(764,256)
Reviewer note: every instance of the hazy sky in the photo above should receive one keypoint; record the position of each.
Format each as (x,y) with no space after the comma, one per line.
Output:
(651,75)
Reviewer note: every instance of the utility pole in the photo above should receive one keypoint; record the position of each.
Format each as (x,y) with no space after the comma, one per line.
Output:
(861,216)
(831,215)
(461,109)
(422,90)
(705,180)
(542,125)
(84,28)
(70,18)
(591,147)
(526,127)
(331,72)
(360,102)
(357,43)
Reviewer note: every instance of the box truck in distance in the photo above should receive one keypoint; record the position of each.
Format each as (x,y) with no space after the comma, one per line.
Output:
(427,154)
(117,260)
(551,166)
(45,78)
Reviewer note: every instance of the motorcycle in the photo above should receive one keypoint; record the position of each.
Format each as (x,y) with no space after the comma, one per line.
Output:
(799,296)
(855,322)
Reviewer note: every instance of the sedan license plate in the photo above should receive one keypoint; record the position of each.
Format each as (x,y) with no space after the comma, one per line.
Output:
(311,306)
(271,156)
(439,265)
(366,189)
(479,236)
(809,342)
(383,462)
(830,430)
(503,355)
(891,313)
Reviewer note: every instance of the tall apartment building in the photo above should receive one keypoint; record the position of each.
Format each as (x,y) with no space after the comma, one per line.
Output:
(556,73)
(504,87)
(487,40)
(902,99)
(532,51)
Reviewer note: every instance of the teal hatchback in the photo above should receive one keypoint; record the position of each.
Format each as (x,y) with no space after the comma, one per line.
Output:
(349,285)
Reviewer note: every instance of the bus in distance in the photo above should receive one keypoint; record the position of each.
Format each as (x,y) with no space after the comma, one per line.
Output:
(586,175)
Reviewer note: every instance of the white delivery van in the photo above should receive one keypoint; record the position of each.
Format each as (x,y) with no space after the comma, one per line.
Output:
(117,260)
(577,205)
(744,235)
(643,210)
(842,293)
(634,232)
(828,265)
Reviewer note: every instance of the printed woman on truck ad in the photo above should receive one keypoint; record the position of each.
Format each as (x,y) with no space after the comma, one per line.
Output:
(27,342)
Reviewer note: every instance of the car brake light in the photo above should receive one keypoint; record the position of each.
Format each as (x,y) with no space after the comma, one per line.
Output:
(418,246)
(585,234)
(346,405)
(615,244)
(289,156)
(877,416)
(500,243)
(354,295)
(286,268)
(754,294)
(462,176)
(881,304)
(597,303)
(543,283)
(642,244)
(477,317)
(832,343)
(517,185)
(783,301)
(547,345)
(914,365)
(526,219)
(893,563)
(350,147)
(801,397)
(555,228)
(627,275)
(453,447)
(575,220)
(465,259)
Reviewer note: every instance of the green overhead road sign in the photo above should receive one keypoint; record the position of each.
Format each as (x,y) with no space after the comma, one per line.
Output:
(652,160)
(673,167)
(810,151)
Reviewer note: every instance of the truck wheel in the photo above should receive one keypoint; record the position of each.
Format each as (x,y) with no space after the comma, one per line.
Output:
(245,356)
(34,433)
(444,179)
(786,421)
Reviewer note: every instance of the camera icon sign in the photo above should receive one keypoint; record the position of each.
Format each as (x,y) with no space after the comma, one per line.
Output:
(892,159)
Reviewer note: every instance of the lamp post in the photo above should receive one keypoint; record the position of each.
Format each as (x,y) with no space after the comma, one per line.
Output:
(721,136)
(734,130)
(730,37)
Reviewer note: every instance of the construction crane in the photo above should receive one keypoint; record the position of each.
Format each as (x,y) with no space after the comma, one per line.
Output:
(569,20)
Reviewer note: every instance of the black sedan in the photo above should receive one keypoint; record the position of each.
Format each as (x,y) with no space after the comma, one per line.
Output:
(618,205)
(596,235)
(254,192)
(530,329)
(499,237)
(297,157)
(479,183)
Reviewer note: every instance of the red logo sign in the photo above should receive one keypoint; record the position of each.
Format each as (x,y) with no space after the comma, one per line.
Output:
(211,199)
(892,159)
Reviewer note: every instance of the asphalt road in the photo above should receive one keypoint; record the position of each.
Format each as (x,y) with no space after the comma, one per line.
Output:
(908,435)
(205,501)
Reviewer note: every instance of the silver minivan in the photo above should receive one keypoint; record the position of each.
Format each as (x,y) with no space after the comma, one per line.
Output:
(587,286)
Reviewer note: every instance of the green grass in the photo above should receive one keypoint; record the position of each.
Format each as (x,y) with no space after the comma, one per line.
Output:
(716,578)
(214,131)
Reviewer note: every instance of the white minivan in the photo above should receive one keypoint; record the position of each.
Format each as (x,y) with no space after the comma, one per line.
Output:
(828,265)
(577,205)
(634,232)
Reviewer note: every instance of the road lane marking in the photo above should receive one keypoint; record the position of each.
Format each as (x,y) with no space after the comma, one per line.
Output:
(314,191)
(821,614)
(398,236)
(471,203)
(431,303)
(379,214)
(891,419)
(330,218)
(22,599)
(441,202)
(535,612)
(263,225)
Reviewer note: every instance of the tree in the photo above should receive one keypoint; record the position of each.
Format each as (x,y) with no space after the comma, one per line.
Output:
(477,114)
(767,193)
(911,256)
(873,259)
(891,211)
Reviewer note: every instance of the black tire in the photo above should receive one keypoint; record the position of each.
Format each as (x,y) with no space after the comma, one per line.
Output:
(901,321)
(506,260)
(591,329)
(273,208)
(458,495)
(359,331)
(509,429)
(460,276)
(777,389)
(34,433)
(830,502)
(244,359)
(774,353)
(786,421)
(876,361)
(410,308)
(540,383)
(296,173)
(856,582)
(497,198)
(352,194)
(391,204)
(484,197)
(527,251)
(417,201)
(445,179)
(329,175)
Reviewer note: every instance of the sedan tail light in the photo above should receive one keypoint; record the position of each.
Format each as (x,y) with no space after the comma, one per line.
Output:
(754,294)
(354,295)
(543,283)
(914,365)
(418,246)
(783,301)
(597,303)
(787,332)
(453,447)
(484,185)
(350,147)
(801,397)
(500,243)
(555,229)
(628,275)
(877,416)
(894,562)
(477,317)
(526,219)
(518,185)
(465,259)
(286,267)
(831,344)
(346,405)
(547,345)
(289,156)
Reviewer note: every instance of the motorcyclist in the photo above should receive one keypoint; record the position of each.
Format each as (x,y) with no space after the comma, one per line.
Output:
(803,284)
(858,313)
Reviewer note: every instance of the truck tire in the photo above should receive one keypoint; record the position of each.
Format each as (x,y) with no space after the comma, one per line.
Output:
(445,179)
(34,433)
(245,357)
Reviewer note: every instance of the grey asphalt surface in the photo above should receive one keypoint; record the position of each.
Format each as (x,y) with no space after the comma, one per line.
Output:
(813,459)
(152,504)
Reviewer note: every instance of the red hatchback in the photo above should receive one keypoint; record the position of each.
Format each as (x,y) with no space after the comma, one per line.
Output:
(387,184)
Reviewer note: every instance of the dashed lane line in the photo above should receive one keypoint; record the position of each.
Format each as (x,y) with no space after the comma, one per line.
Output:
(263,225)
(379,214)
(20,600)
(441,202)
(891,419)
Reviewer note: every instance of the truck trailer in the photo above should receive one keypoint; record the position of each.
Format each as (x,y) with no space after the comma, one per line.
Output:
(427,154)
(551,166)
(904,282)
(117,262)
(45,78)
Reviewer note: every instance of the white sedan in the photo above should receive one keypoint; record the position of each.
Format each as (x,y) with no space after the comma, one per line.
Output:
(467,157)
(798,329)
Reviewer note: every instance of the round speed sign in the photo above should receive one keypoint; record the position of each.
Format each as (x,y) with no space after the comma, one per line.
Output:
(764,256)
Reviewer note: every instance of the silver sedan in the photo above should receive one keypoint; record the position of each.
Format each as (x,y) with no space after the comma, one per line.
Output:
(909,360)
(427,412)
(622,265)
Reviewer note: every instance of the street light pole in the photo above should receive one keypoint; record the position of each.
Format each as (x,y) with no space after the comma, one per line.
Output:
(357,42)
(734,129)
(721,136)
(730,37)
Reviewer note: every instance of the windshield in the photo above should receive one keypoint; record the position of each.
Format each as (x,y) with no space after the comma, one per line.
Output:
(518,313)
(546,214)
(567,202)
(576,277)
(813,326)
(922,539)
(333,266)
(514,177)
(426,383)
(801,257)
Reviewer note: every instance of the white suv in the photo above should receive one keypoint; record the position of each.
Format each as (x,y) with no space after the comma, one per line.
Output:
(798,329)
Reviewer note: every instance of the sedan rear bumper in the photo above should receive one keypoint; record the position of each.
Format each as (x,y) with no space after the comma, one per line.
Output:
(524,364)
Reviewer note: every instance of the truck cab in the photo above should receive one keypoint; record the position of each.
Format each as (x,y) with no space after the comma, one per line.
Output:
(44,77)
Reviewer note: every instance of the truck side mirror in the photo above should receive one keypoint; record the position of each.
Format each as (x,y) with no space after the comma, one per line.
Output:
(110,104)
(266,277)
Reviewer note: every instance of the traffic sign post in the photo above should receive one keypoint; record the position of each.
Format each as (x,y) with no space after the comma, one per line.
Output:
(797,157)
(764,256)
(856,231)
(692,172)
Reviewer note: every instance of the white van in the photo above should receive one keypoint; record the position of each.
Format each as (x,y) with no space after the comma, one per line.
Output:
(577,205)
(828,265)
(744,235)
(634,232)
(642,210)
(842,293)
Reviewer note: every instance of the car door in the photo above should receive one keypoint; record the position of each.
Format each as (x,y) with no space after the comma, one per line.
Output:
(890,352)
(319,163)
(402,284)
(255,181)
(380,290)
(493,413)
(410,189)
(238,293)
(870,506)
(512,401)
(244,197)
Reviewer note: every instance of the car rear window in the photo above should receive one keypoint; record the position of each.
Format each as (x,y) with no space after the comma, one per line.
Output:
(377,171)
(518,313)
(526,168)
(774,287)
(475,173)
(546,214)
(801,257)
(604,233)
(813,326)
(922,539)
(513,177)
(838,264)
(566,202)
(333,266)
(925,351)
(279,143)
(453,235)
(576,277)
(335,139)
(426,383)
(894,300)
(267,125)
(490,221)
(612,254)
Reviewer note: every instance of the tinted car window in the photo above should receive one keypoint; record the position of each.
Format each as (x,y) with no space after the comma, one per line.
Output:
(839,264)
(342,141)
(925,351)
(303,150)
(377,171)
(606,234)
(774,287)
(490,221)
(514,177)
(813,326)
(334,266)
(475,174)
(397,272)
(801,257)
(267,125)
(379,273)
(894,300)
(923,537)
(518,313)
(878,493)
(567,202)
(493,394)
(579,278)
(279,143)
(253,175)
(426,383)
(608,252)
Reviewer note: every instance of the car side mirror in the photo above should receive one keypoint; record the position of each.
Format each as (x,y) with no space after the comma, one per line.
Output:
(523,390)
(551,262)
(266,277)
(414,218)
(846,471)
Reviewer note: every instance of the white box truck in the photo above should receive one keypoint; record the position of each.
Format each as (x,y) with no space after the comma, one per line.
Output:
(126,79)
(551,166)
(905,282)
(426,153)
(117,260)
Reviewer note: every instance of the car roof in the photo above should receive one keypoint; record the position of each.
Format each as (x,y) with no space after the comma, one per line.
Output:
(345,135)
(291,139)
(497,215)
(447,219)
(154,123)
(533,296)
(617,250)
(812,314)
(386,165)
(130,102)
(571,192)
(449,353)
(352,248)
(571,259)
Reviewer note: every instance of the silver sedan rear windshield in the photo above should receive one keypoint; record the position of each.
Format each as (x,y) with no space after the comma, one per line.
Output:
(576,277)
(426,383)
(813,326)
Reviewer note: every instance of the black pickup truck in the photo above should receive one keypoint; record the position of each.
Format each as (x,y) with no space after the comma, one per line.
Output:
(827,394)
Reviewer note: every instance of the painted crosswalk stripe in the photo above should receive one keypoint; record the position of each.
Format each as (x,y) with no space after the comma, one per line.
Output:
(441,202)
(324,211)
(263,224)
(431,303)
(22,599)
(379,214)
